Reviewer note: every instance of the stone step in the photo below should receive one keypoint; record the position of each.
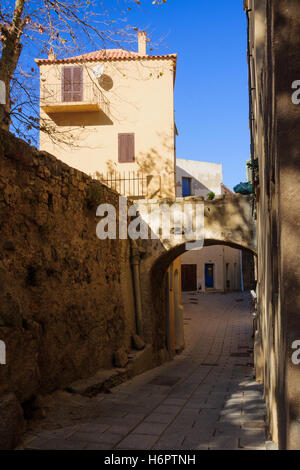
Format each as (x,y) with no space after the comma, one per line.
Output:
(104,380)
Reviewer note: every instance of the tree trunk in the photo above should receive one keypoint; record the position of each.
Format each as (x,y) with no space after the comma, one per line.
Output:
(7,70)
(5,107)
(10,56)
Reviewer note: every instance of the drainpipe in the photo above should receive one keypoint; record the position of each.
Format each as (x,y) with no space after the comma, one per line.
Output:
(135,264)
(169,346)
(251,89)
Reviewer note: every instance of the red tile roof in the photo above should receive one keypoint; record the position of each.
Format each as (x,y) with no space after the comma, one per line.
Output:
(105,55)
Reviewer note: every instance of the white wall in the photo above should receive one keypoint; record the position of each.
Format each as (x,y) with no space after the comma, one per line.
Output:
(206,177)
(219,256)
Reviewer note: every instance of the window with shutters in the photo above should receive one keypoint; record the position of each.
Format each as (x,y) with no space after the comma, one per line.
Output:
(126,148)
(72,83)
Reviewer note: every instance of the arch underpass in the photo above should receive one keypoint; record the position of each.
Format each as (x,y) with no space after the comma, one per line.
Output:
(228,220)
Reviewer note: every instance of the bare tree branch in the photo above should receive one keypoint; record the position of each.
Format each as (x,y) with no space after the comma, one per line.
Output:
(66,27)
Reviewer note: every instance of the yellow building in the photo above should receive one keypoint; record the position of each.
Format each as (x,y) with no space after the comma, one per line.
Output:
(112,115)
(115,110)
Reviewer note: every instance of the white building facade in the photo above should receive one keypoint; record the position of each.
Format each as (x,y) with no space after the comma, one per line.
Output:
(213,268)
(195,178)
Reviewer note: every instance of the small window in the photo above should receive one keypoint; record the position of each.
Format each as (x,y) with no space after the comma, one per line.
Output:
(126,148)
(186,187)
(72,83)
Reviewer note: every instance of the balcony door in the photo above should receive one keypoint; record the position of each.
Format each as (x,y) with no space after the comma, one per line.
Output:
(72,83)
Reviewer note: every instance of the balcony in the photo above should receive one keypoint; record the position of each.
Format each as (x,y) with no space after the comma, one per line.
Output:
(55,100)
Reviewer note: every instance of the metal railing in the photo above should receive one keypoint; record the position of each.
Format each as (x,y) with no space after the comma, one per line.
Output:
(130,184)
(52,93)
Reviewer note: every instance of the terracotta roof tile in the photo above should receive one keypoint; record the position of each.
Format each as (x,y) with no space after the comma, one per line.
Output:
(105,55)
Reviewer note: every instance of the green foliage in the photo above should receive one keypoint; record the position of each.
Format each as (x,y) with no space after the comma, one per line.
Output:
(211,196)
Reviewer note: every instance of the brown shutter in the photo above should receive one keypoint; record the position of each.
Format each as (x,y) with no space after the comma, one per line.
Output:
(72,83)
(126,148)
(77,84)
(67,84)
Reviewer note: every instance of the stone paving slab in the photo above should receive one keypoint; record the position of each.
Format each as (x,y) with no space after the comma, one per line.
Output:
(137,442)
(204,400)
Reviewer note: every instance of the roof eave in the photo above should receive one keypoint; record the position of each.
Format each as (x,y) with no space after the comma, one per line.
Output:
(106,59)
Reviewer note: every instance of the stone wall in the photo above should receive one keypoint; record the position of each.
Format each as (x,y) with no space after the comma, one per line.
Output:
(248,260)
(274,60)
(66,298)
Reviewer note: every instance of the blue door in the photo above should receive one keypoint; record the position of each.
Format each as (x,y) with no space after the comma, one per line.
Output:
(186,187)
(209,275)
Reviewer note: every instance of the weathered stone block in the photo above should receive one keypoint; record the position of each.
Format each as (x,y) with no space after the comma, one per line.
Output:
(12,422)
(8,245)
(9,310)
(120,358)
(138,343)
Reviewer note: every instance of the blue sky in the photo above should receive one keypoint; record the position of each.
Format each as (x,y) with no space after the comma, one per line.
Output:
(211,93)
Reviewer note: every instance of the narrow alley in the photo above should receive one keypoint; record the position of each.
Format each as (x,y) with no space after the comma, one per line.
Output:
(205,399)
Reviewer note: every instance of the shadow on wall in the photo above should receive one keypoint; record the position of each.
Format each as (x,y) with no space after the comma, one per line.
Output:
(91,118)
(148,166)
(197,188)
(106,82)
(279,173)
(152,160)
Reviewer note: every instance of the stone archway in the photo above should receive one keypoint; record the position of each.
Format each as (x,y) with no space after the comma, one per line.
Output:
(178,313)
(228,220)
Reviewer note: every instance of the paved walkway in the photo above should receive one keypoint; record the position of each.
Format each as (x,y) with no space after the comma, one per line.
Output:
(205,399)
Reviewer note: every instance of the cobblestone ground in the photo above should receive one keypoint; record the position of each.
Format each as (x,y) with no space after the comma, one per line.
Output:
(205,399)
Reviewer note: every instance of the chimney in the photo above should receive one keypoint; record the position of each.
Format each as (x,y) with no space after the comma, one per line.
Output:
(142,41)
(51,55)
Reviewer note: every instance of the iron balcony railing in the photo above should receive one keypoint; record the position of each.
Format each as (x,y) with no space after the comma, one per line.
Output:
(53,94)
(130,184)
